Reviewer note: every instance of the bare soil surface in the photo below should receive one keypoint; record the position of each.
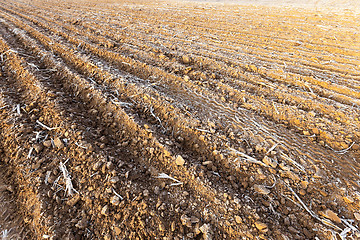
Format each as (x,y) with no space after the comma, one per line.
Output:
(178,120)
(320,5)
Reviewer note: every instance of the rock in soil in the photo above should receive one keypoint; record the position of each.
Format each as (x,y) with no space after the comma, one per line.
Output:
(58,143)
(331,215)
(261,189)
(261,226)
(179,160)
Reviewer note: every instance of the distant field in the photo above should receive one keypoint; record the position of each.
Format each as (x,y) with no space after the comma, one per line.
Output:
(332,5)
(180,119)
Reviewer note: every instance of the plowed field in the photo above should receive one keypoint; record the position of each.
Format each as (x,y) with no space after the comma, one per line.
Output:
(178,120)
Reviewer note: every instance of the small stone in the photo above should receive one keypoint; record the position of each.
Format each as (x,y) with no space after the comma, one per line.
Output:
(348,199)
(157,190)
(266,203)
(179,160)
(185,59)
(207,232)
(161,227)
(261,176)
(287,221)
(117,231)
(172,226)
(331,215)
(110,166)
(306,133)
(356,147)
(58,143)
(185,220)
(194,219)
(304,184)
(114,180)
(38,147)
(115,200)
(72,202)
(322,192)
(302,192)
(315,131)
(307,233)
(238,219)
(357,216)
(58,200)
(47,143)
(261,226)
(211,124)
(293,230)
(105,210)
(270,162)
(207,163)
(190,235)
(82,224)
(97,166)
(292,176)
(261,189)
(284,167)
(146,193)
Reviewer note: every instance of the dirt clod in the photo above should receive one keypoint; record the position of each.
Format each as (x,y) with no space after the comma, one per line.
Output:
(58,143)
(261,226)
(348,199)
(179,160)
(261,189)
(207,232)
(38,147)
(47,143)
(194,219)
(75,199)
(185,220)
(115,200)
(238,219)
(185,59)
(114,180)
(304,184)
(270,162)
(205,163)
(105,210)
(357,216)
(82,224)
(331,215)
(97,166)
(117,231)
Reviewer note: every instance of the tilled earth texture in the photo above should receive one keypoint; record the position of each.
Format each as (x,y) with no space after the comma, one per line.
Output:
(178,120)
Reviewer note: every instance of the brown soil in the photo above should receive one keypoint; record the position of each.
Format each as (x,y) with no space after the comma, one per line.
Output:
(170,120)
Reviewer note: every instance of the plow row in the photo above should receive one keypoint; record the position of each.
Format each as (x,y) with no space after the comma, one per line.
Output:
(117,130)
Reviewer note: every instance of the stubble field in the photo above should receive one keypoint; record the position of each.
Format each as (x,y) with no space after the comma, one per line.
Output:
(178,120)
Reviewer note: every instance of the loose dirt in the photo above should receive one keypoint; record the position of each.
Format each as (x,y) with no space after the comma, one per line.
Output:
(178,120)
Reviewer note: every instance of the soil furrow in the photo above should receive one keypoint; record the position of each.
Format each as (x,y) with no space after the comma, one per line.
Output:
(118,123)
(281,62)
(266,107)
(54,67)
